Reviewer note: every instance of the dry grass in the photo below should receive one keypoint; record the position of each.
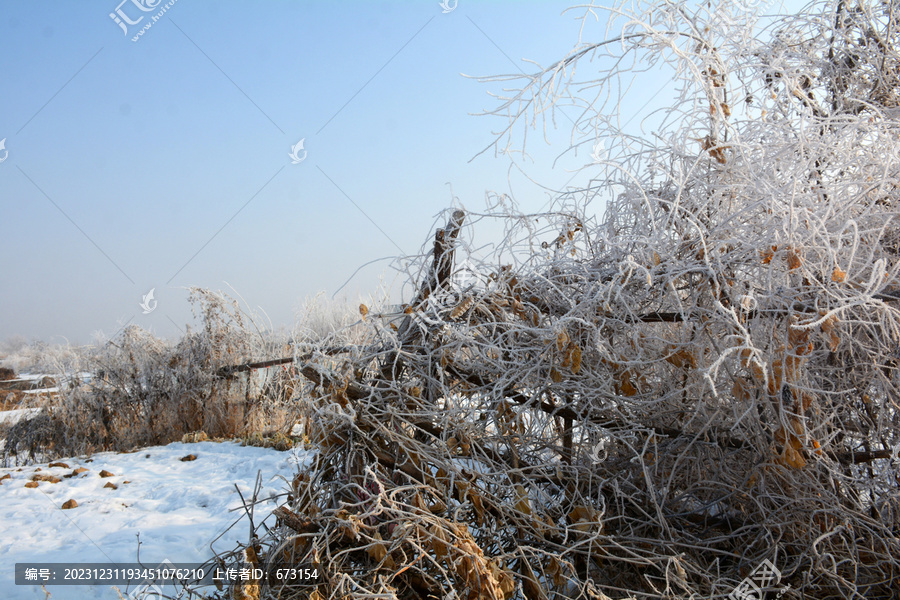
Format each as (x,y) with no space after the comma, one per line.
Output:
(150,392)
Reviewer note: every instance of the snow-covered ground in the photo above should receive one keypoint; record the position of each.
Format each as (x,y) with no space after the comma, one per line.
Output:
(10,417)
(175,508)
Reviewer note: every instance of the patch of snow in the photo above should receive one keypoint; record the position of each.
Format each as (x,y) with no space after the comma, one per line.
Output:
(11,417)
(50,390)
(176,509)
(30,376)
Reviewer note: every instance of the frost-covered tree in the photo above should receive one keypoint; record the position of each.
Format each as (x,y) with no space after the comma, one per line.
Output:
(652,401)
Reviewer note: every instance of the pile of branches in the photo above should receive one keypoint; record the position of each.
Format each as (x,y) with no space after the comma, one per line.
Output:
(655,405)
(568,434)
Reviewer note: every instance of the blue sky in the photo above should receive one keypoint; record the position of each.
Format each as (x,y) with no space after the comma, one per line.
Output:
(164,162)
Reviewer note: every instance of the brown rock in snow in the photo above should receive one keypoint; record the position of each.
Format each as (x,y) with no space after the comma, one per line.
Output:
(76,472)
(105,473)
(111,485)
(69,504)
(31,484)
(59,464)
(42,477)
(188,458)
